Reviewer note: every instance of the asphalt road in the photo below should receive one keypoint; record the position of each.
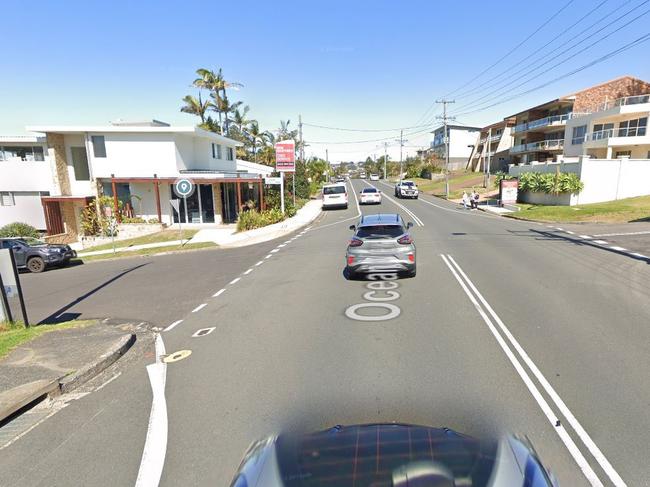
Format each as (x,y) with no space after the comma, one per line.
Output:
(508,326)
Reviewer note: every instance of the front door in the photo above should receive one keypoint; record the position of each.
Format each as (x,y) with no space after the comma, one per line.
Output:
(196,208)
(229,202)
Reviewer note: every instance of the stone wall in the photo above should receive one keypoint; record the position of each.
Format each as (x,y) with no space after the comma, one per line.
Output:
(69,216)
(587,100)
(56,149)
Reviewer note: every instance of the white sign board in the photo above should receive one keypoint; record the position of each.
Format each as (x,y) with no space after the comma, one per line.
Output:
(176,204)
(7,273)
(270,180)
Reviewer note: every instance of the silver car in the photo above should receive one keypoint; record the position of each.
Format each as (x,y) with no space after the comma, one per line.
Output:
(381,243)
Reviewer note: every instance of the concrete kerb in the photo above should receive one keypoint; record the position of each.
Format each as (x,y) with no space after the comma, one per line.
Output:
(119,348)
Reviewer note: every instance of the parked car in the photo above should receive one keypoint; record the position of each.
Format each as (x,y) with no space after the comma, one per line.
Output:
(381,241)
(335,195)
(374,177)
(35,255)
(406,189)
(340,179)
(370,196)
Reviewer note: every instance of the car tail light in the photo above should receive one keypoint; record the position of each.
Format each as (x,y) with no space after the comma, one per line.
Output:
(411,258)
(405,240)
(355,242)
(350,259)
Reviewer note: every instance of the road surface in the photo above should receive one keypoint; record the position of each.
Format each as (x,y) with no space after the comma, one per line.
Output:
(508,326)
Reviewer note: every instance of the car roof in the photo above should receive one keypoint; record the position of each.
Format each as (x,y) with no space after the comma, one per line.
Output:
(332,185)
(381,219)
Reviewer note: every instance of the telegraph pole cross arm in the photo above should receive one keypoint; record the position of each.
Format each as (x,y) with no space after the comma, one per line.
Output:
(444,119)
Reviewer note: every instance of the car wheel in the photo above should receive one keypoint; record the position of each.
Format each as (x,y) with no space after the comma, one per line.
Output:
(352,276)
(412,272)
(36,264)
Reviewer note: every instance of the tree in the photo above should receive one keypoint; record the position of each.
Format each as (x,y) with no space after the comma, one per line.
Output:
(239,119)
(195,106)
(256,135)
(284,133)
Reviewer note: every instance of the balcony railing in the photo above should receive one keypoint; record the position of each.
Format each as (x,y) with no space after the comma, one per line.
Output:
(543,122)
(626,100)
(554,144)
(620,132)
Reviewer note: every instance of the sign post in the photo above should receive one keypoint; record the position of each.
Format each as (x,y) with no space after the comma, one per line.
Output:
(10,282)
(285,161)
(508,191)
(183,187)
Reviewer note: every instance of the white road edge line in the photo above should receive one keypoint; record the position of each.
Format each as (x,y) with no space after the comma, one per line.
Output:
(569,232)
(418,222)
(616,247)
(356,217)
(580,431)
(173,325)
(600,242)
(248,271)
(234,281)
(621,234)
(275,250)
(586,237)
(155,445)
(636,254)
(282,245)
(219,292)
(267,257)
(199,307)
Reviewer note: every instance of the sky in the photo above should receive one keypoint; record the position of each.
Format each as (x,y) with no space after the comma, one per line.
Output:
(366,65)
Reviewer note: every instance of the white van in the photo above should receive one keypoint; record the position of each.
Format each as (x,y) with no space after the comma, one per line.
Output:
(335,196)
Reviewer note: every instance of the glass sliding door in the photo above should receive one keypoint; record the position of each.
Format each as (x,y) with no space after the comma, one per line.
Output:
(206,201)
(196,208)
(229,202)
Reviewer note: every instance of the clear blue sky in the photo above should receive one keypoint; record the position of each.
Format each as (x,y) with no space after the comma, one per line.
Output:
(359,64)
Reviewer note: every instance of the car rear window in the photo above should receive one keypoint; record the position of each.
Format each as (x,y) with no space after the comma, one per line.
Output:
(370,190)
(380,231)
(408,183)
(333,190)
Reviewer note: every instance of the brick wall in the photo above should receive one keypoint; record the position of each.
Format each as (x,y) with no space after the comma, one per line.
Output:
(56,149)
(587,100)
(69,216)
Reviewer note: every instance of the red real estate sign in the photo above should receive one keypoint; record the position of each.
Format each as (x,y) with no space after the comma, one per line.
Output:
(285,156)
(508,190)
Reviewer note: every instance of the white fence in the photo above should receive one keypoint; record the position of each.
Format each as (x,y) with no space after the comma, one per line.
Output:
(604,180)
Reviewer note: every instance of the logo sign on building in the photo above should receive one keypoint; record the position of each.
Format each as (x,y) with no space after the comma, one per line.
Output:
(285,156)
(184,187)
(508,190)
(270,180)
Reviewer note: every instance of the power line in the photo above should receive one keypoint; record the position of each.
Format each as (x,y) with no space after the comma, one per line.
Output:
(508,71)
(369,140)
(364,130)
(504,88)
(513,49)
(599,60)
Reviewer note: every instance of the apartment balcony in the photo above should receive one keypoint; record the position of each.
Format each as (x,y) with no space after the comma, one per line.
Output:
(617,137)
(542,145)
(554,121)
(626,101)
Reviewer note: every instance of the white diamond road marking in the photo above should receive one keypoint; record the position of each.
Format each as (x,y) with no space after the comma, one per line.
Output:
(203,331)
(218,293)
(199,307)
(235,280)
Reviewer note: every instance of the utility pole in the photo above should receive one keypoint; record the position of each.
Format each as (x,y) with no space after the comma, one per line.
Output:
(486,163)
(327,160)
(401,144)
(445,118)
(385,158)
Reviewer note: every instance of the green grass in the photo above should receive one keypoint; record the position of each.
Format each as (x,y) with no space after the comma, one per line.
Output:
(164,236)
(14,334)
(153,251)
(458,182)
(620,211)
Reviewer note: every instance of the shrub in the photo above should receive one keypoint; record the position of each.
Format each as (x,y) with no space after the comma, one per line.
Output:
(499,176)
(550,183)
(135,219)
(248,220)
(19,229)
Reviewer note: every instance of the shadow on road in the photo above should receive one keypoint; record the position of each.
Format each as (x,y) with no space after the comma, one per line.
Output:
(59,315)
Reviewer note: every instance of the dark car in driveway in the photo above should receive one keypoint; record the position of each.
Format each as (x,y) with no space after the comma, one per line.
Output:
(36,256)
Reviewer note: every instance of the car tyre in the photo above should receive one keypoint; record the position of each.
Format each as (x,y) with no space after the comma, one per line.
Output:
(36,265)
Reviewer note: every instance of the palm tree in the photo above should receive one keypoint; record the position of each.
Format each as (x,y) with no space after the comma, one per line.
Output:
(256,135)
(195,106)
(239,118)
(284,133)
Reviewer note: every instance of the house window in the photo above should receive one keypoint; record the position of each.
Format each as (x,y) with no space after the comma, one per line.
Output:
(8,153)
(623,153)
(219,156)
(214,151)
(230,154)
(578,135)
(633,128)
(7,199)
(80,163)
(99,145)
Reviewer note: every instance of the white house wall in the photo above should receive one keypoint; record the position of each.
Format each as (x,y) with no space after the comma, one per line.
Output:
(26,175)
(459,140)
(80,188)
(146,206)
(27,209)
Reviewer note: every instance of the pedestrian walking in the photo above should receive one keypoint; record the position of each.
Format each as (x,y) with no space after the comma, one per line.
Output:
(475,199)
(465,199)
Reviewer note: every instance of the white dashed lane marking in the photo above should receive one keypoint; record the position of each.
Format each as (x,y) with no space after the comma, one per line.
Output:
(586,237)
(260,263)
(600,242)
(268,256)
(615,247)
(173,325)
(235,280)
(275,250)
(248,272)
(218,293)
(199,307)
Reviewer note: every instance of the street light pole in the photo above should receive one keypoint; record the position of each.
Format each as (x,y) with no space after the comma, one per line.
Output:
(385,157)
(401,144)
(446,139)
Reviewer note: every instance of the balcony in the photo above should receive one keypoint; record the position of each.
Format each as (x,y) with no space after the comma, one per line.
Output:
(553,121)
(621,102)
(617,137)
(542,145)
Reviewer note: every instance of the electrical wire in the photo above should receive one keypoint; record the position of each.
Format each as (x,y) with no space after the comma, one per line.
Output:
(365,130)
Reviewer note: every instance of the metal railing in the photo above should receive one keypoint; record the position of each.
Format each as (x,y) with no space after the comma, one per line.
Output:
(543,122)
(619,132)
(554,144)
(624,101)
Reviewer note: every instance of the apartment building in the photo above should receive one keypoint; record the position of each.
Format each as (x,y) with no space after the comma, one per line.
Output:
(461,142)
(539,132)
(24,178)
(492,146)
(136,163)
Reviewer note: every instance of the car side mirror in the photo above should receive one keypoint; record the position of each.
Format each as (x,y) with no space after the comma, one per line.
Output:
(353,227)
(409,225)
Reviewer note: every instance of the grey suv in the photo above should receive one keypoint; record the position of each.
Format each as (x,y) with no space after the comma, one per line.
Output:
(34,255)
(381,243)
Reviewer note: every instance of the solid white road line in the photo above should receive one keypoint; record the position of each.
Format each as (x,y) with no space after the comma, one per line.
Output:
(248,272)
(282,245)
(234,281)
(600,242)
(199,307)
(173,325)
(418,222)
(569,232)
(621,234)
(259,263)
(580,431)
(616,247)
(636,254)
(219,292)
(155,445)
